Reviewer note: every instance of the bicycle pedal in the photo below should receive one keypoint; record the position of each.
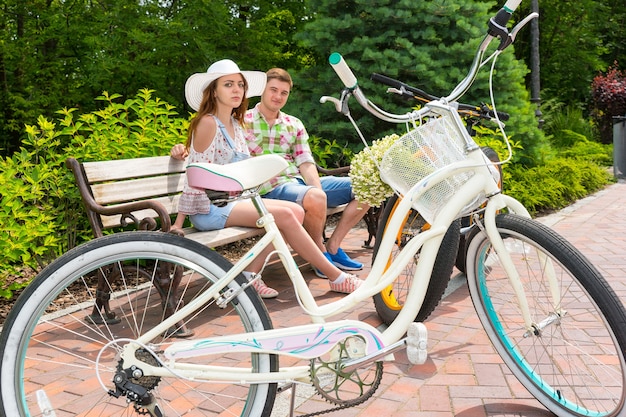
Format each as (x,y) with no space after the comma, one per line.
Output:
(417,343)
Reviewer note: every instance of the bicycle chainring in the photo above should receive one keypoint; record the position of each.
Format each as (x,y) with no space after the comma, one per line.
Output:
(343,388)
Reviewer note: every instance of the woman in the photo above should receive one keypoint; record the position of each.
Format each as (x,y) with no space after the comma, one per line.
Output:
(216,135)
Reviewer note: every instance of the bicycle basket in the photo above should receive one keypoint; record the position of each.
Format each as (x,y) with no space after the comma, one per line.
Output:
(420,152)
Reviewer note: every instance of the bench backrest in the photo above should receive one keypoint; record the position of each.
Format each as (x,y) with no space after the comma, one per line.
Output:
(117,192)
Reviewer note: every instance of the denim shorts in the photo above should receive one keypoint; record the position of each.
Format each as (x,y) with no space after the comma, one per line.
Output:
(338,191)
(215,219)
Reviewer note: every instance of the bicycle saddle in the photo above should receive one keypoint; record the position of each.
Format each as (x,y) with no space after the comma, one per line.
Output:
(237,176)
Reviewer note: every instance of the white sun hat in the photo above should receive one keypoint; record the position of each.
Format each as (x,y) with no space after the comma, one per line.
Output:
(197,83)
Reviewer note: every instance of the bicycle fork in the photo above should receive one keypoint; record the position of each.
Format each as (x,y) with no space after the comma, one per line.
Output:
(504,256)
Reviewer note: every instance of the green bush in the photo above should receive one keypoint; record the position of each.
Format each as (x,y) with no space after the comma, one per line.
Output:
(554,185)
(573,167)
(565,127)
(42,215)
(573,136)
(329,154)
(590,151)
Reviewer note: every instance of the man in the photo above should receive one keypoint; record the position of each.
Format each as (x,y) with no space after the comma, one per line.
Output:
(272,131)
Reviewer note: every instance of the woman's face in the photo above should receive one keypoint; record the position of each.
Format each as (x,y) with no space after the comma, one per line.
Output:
(230,90)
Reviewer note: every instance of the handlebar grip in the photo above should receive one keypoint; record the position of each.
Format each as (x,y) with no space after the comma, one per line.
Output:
(383,79)
(501,115)
(511,5)
(342,69)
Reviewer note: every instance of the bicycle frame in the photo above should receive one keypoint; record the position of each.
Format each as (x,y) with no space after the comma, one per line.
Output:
(291,341)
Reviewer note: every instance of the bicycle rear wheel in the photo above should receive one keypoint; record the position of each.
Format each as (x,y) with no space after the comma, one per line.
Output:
(390,301)
(573,359)
(54,341)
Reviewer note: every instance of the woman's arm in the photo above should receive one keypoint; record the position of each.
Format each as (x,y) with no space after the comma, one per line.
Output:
(204,134)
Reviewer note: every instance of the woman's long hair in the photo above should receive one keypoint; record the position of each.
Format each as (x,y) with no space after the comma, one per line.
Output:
(208,105)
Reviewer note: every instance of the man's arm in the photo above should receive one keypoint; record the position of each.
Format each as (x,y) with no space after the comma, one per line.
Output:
(308,170)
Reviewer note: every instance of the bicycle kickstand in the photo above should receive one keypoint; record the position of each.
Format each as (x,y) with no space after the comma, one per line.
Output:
(292,400)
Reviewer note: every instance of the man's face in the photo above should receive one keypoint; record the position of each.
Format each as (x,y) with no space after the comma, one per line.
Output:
(275,95)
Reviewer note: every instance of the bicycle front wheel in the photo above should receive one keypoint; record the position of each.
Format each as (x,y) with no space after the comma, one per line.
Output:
(572,359)
(391,300)
(60,344)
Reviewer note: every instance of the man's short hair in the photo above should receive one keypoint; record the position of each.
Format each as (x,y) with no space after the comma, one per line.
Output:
(279,74)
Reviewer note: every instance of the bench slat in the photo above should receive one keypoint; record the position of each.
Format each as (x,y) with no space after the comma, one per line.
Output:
(122,169)
(137,189)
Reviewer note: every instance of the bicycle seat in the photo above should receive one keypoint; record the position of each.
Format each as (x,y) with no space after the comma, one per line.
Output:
(237,176)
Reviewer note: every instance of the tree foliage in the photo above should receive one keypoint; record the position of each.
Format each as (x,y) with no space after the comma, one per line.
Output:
(57,54)
(577,40)
(429,44)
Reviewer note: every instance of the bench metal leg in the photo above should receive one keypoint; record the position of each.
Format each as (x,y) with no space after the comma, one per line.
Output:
(101,312)
(167,282)
(371,220)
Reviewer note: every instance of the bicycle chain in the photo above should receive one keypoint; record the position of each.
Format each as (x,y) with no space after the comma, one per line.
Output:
(340,407)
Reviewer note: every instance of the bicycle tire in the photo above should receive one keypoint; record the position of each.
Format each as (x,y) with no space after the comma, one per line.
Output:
(390,301)
(573,363)
(50,343)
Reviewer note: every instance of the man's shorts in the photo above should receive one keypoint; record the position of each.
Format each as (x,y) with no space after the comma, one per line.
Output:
(338,191)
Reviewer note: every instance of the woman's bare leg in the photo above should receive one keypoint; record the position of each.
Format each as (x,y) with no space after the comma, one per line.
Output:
(288,217)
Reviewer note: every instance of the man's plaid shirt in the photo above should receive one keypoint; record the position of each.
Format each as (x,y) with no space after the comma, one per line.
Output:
(287,138)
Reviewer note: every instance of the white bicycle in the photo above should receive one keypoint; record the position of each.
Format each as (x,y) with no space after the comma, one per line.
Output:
(89,335)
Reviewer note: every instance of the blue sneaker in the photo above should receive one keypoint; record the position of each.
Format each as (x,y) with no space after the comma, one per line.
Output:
(343,261)
(320,273)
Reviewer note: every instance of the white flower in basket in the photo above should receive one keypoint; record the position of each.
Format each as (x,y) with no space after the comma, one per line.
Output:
(367,185)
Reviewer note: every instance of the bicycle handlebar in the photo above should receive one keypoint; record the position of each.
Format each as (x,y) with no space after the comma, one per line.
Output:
(404,89)
(497,24)
(413,92)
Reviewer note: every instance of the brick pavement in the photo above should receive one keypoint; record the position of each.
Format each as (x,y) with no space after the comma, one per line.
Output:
(463,375)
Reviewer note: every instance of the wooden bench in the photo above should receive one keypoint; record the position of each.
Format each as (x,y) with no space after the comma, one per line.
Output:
(144,192)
